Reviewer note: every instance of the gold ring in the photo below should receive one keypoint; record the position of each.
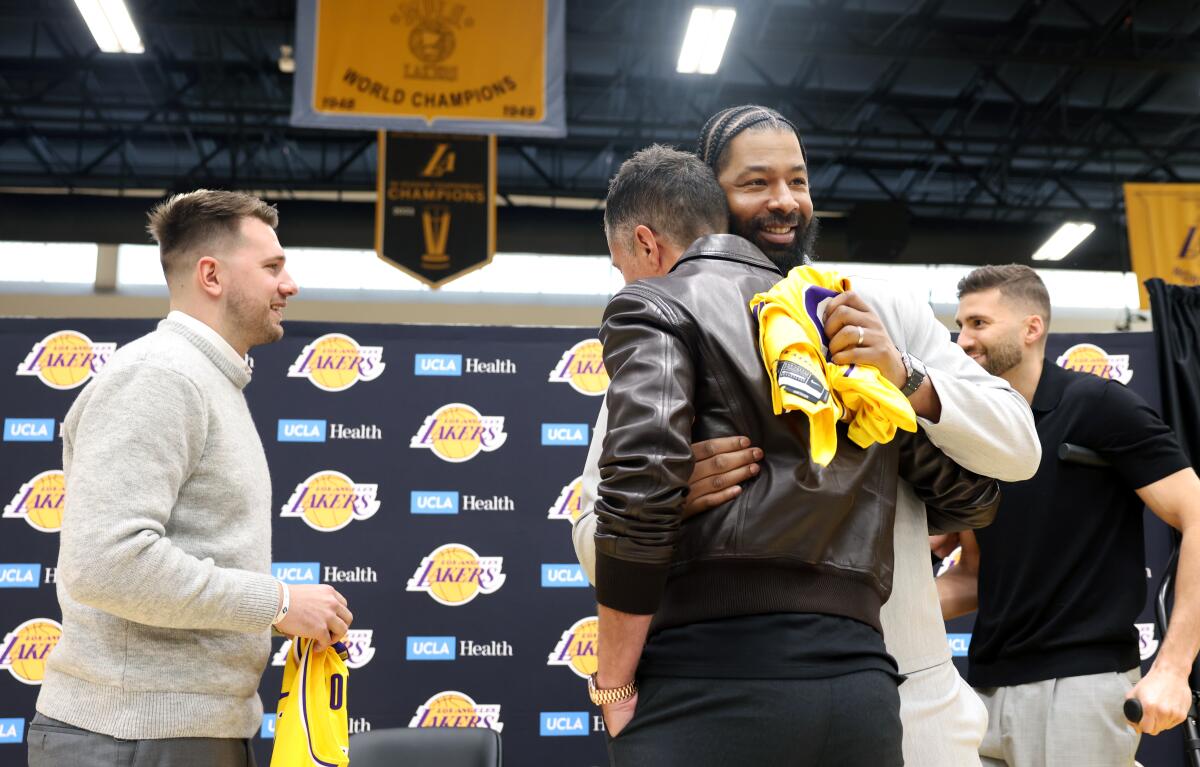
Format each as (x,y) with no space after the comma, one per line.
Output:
(861,335)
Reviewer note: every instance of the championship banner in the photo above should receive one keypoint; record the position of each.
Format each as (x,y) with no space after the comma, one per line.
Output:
(472,66)
(435,217)
(1164,233)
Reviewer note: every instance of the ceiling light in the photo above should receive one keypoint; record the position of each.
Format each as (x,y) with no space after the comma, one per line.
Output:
(1062,242)
(112,26)
(287,64)
(704,44)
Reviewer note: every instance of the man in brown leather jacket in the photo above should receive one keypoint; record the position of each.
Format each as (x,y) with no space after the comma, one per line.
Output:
(766,645)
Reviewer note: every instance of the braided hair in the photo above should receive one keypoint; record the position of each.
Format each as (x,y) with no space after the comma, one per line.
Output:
(725,125)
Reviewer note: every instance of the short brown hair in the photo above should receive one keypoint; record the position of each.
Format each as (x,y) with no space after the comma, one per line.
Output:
(668,190)
(1016,282)
(184,222)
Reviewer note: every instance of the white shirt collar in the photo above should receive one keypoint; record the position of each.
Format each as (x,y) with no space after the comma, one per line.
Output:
(212,336)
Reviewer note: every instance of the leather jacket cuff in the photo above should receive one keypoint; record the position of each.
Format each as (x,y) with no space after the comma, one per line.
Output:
(629,587)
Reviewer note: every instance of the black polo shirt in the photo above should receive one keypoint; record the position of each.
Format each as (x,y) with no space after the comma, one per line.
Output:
(1062,573)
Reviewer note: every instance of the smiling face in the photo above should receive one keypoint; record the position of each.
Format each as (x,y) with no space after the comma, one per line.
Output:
(765,180)
(991,329)
(259,287)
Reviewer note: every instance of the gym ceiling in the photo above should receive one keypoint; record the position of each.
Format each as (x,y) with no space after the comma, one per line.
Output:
(982,120)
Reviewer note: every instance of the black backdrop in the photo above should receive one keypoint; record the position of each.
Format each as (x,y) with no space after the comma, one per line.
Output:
(512,648)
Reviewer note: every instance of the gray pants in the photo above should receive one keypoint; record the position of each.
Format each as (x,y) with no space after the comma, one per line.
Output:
(56,744)
(1074,721)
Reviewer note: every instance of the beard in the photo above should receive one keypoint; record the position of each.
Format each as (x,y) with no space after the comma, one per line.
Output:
(798,253)
(1001,356)
(253,320)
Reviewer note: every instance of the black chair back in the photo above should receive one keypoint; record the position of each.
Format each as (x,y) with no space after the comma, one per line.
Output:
(426,747)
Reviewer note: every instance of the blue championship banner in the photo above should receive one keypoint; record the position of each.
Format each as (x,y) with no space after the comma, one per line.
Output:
(450,66)
(435,217)
(428,473)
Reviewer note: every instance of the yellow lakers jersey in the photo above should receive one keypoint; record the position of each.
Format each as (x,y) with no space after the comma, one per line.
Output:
(794,350)
(311,727)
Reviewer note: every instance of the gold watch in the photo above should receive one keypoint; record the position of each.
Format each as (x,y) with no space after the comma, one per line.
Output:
(614,695)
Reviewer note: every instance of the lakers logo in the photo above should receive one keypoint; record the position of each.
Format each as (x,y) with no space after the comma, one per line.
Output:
(1089,358)
(329,500)
(25,649)
(577,647)
(582,366)
(66,359)
(457,433)
(570,501)
(358,648)
(456,709)
(1147,644)
(335,362)
(1191,244)
(40,502)
(454,574)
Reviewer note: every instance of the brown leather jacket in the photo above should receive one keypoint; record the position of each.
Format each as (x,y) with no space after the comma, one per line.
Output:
(683,355)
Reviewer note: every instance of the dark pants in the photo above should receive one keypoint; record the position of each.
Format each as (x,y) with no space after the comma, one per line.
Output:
(56,744)
(849,721)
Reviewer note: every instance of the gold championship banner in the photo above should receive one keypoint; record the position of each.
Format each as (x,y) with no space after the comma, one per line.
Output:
(1164,233)
(436,212)
(465,66)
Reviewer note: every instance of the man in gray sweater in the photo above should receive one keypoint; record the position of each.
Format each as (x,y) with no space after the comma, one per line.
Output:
(164,568)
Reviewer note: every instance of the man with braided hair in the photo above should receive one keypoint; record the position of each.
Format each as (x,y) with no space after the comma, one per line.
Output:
(976,419)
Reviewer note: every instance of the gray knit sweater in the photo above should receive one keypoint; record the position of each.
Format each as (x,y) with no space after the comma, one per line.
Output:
(163,571)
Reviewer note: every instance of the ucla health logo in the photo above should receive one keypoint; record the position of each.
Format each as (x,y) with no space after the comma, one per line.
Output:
(40,502)
(558,723)
(437,365)
(358,646)
(433,502)
(1089,358)
(582,366)
(560,576)
(576,648)
(296,572)
(430,648)
(12,730)
(457,433)
(295,430)
(959,644)
(29,429)
(569,505)
(329,500)
(66,359)
(555,434)
(452,708)
(20,576)
(335,362)
(453,575)
(25,649)
(267,730)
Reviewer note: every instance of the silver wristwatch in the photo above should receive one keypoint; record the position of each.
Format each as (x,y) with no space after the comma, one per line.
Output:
(916,374)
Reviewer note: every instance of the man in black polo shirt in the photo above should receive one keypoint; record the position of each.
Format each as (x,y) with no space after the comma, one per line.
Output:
(1059,577)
